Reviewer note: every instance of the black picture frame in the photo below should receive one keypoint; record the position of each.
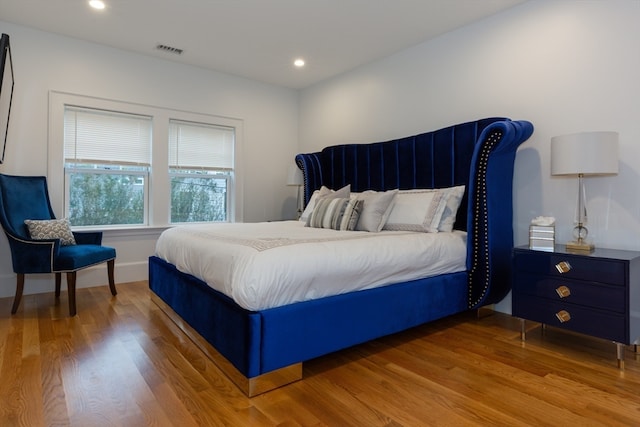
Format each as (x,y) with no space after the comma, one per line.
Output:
(6,91)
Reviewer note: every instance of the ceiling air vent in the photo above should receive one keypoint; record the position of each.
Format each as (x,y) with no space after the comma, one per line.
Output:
(169,49)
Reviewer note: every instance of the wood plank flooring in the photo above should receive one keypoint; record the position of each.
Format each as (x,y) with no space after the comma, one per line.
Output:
(122,362)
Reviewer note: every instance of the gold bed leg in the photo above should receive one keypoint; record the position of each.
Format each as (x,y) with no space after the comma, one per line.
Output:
(249,386)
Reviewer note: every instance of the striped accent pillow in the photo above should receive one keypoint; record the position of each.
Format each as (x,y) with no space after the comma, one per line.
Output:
(337,214)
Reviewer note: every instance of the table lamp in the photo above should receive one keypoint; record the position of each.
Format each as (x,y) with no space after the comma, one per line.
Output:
(294,177)
(584,154)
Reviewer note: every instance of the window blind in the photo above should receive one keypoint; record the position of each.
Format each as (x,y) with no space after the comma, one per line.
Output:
(200,146)
(98,136)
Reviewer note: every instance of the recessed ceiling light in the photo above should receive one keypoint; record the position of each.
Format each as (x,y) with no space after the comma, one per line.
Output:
(96,4)
(299,62)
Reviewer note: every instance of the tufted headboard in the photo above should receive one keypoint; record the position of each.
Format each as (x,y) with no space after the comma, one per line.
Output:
(478,154)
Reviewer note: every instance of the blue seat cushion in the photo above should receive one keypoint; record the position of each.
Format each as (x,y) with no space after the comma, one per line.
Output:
(75,257)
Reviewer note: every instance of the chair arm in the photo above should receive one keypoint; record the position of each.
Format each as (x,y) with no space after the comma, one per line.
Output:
(32,256)
(88,237)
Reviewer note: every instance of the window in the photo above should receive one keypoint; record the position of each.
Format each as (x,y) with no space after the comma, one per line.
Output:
(201,171)
(119,165)
(107,164)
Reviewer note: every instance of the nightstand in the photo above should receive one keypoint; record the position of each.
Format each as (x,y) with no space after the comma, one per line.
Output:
(595,293)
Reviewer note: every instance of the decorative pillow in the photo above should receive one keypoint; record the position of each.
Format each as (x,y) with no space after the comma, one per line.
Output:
(454,197)
(417,210)
(309,208)
(51,229)
(337,214)
(375,210)
(323,193)
(344,192)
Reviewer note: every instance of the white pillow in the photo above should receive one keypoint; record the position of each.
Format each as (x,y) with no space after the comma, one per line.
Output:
(417,210)
(375,210)
(309,208)
(323,193)
(342,193)
(454,197)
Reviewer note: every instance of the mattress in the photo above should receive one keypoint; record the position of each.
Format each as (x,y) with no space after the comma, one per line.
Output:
(270,264)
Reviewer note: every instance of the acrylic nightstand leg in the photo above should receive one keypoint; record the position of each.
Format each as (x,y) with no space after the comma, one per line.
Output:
(620,352)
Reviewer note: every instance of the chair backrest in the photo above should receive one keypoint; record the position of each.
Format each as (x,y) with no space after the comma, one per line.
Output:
(23,197)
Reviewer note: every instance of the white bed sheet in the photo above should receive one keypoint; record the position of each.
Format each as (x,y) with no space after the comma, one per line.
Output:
(269,264)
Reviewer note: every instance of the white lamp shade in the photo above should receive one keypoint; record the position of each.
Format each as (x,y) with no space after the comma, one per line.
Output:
(587,153)
(294,176)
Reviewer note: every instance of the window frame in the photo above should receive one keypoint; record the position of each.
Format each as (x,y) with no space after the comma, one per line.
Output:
(159,198)
(217,167)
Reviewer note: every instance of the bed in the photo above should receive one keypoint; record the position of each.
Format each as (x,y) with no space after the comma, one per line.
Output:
(261,346)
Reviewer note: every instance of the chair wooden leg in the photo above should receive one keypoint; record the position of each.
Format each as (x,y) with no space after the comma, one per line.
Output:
(58,284)
(71,290)
(112,283)
(19,289)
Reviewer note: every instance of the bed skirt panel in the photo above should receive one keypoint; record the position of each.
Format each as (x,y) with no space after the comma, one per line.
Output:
(232,330)
(309,329)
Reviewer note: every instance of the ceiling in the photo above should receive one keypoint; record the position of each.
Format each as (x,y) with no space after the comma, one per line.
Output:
(257,39)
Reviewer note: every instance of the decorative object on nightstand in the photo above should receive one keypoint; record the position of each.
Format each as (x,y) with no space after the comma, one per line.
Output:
(294,177)
(584,154)
(542,233)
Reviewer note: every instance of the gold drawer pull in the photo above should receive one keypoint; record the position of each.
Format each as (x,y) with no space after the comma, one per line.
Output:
(563,316)
(563,267)
(563,291)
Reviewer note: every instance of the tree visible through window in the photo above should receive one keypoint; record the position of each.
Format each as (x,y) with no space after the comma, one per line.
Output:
(195,198)
(105,199)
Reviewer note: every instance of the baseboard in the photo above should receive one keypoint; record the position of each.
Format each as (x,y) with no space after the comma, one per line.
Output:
(87,278)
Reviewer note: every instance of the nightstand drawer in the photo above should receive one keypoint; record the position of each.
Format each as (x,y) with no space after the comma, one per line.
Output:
(576,318)
(594,295)
(578,267)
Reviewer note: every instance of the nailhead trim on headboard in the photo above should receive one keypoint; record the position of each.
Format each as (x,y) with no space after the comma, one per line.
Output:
(481,229)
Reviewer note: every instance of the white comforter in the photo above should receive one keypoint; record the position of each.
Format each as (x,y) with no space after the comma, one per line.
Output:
(264,265)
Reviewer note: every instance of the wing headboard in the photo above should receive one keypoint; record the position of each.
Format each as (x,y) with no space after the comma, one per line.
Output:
(478,154)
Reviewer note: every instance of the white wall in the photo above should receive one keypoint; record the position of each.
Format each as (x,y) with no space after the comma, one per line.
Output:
(46,62)
(567,66)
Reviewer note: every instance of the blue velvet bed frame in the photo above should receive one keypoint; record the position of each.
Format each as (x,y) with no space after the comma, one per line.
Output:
(265,349)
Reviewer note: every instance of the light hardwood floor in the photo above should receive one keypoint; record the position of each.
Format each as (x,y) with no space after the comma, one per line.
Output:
(121,362)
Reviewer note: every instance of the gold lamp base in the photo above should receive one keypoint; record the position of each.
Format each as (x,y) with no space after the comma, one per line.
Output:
(580,246)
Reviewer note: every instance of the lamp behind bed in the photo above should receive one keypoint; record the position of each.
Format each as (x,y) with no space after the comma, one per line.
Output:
(294,177)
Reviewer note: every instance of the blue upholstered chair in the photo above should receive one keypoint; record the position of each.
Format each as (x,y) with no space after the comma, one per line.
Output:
(27,198)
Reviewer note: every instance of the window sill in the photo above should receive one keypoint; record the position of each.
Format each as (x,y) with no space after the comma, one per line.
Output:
(141,231)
